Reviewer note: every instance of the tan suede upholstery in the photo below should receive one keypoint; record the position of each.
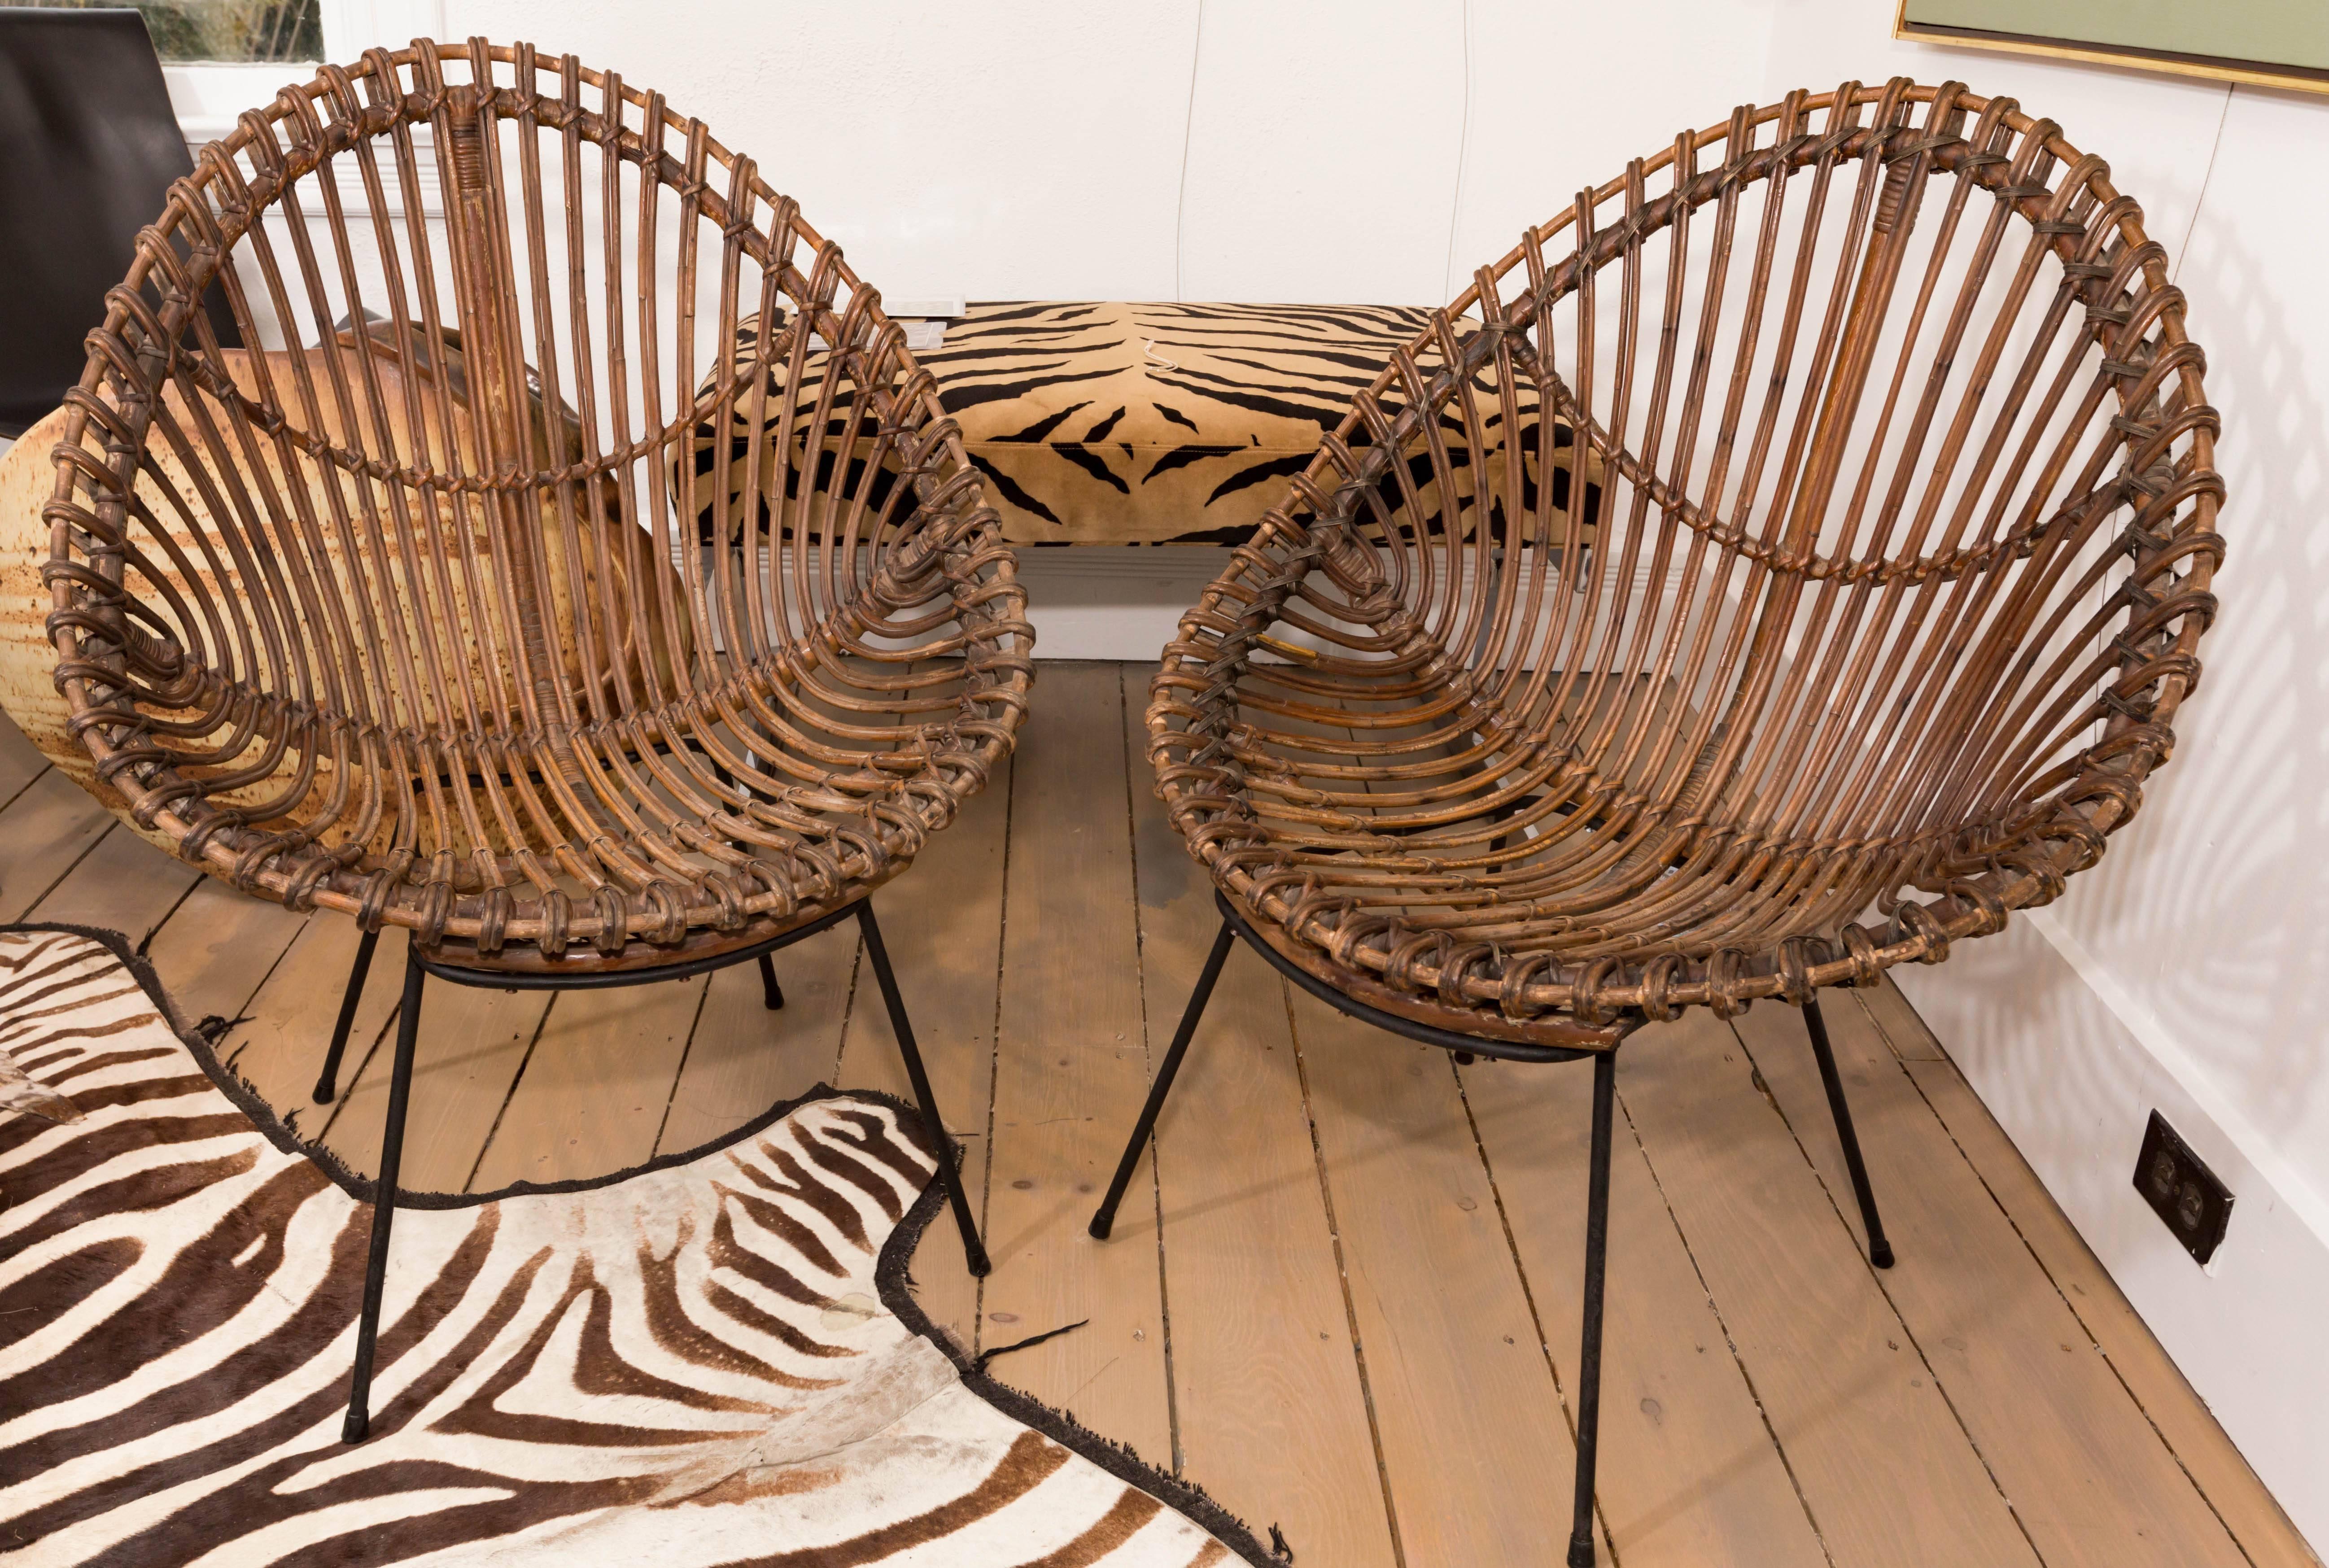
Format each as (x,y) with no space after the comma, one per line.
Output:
(1113,423)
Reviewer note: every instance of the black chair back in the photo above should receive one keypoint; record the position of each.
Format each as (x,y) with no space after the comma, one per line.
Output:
(88,150)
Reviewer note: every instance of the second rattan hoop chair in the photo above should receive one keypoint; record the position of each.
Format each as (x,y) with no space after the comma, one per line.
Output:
(1886,597)
(396,620)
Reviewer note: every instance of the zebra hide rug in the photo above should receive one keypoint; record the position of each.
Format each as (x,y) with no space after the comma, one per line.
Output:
(713,1360)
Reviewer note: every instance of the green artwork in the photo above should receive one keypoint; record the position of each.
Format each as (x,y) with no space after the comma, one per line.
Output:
(2262,37)
(187,31)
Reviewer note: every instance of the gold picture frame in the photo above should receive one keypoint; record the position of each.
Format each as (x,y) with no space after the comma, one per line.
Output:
(2127,50)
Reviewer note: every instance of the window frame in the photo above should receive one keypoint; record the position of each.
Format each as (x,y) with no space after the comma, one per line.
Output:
(207,95)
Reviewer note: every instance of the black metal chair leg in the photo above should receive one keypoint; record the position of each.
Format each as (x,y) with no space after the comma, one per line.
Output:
(327,1085)
(770,992)
(1104,1220)
(1597,1266)
(383,1206)
(1880,1251)
(974,1249)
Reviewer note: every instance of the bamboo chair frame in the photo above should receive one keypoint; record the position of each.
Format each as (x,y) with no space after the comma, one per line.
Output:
(1933,646)
(262,583)
(397,618)
(1516,774)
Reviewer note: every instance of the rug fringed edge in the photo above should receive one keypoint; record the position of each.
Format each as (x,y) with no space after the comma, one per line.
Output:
(893,1278)
(354,1182)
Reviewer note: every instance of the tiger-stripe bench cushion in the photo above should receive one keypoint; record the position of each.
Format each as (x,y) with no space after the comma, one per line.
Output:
(1114,423)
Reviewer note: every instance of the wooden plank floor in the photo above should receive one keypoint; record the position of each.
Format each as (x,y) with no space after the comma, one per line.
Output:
(1343,1295)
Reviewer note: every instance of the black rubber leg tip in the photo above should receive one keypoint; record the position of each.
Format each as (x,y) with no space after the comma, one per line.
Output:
(1580,1553)
(1881,1254)
(355,1428)
(1100,1226)
(323,1094)
(981,1266)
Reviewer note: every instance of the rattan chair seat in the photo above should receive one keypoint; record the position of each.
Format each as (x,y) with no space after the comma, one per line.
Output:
(404,623)
(1904,548)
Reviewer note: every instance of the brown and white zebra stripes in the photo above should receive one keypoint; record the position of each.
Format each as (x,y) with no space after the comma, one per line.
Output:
(699,1365)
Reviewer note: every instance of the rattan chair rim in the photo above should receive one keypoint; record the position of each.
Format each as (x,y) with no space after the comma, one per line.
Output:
(1506,987)
(779,856)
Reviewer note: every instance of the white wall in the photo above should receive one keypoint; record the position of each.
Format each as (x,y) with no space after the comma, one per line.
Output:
(2188,972)
(1297,150)
(1291,150)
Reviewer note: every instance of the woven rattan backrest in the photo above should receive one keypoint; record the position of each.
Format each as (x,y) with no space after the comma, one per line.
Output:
(1891,575)
(397,618)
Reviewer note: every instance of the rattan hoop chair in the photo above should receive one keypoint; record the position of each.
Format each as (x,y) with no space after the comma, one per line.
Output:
(1906,520)
(397,622)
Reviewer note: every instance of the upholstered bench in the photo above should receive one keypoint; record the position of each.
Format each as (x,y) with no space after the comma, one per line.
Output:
(1111,423)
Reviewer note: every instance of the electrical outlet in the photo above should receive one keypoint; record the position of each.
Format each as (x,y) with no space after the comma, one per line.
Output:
(2179,1186)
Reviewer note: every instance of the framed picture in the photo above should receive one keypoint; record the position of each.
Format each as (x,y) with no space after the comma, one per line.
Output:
(2270,43)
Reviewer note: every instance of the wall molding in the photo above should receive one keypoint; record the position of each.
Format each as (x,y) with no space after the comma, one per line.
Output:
(1115,601)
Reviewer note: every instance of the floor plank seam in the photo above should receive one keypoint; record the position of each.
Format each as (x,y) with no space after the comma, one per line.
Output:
(995,1044)
(1876,1276)
(1148,1058)
(1729,1340)
(679,1073)
(1877,1024)
(18,793)
(146,941)
(2078,1317)
(849,1016)
(1528,1291)
(1343,1279)
(350,1076)
(86,850)
(243,1007)
(540,1022)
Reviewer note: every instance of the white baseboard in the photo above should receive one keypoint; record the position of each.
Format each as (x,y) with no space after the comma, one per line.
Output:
(2073,1067)
(1112,601)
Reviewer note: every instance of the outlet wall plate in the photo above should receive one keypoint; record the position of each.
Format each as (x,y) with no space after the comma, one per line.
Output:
(2181,1190)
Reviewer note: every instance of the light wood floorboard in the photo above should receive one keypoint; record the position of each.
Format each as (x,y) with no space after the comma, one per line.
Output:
(742,1058)
(122,883)
(2089,1488)
(1691,1475)
(280,1050)
(1358,1319)
(947,913)
(600,1072)
(1271,1409)
(220,946)
(1069,1074)
(51,824)
(1886,1471)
